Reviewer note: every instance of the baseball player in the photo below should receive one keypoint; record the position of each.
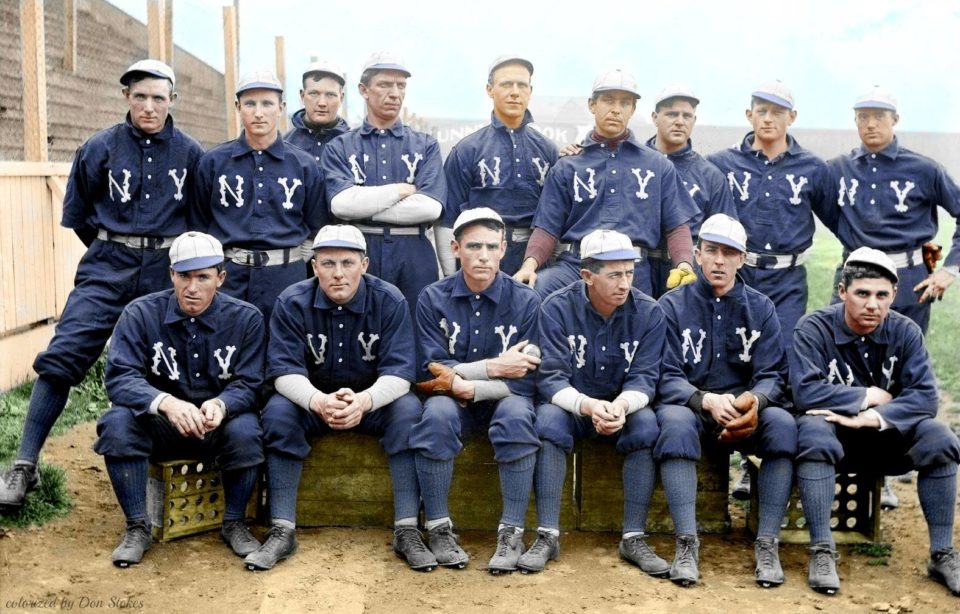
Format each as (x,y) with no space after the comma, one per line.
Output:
(127,199)
(616,182)
(723,376)
(388,179)
(602,341)
(342,357)
(183,371)
(318,121)
(473,328)
(863,382)
(777,186)
(261,196)
(502,166)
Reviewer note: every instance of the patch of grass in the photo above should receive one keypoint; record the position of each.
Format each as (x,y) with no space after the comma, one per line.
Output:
(878,551)
(49,501)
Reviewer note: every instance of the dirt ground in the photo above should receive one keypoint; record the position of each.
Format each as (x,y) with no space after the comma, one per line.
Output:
(66,565)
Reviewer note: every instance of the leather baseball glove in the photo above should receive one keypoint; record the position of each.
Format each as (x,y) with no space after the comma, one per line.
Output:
(442,383)
(680,277)
(932,252)
(736,430)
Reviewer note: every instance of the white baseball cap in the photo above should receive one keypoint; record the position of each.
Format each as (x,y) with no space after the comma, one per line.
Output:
(510,59)
(154,68)
(340,235)
(479,214)
(874,257)
(775,92)
(385,60)
(259,80)
(193,251)
(616,79)
(721,228)
(675,90)
(603,244)
(326,68)
(876,98)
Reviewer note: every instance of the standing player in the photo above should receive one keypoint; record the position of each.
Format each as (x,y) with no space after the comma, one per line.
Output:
(342,356)
(261,197)
(183,372)
(723,358)
(616,182)
(502,166)
(388,179)
(127,199)
(473,327)
(602,341)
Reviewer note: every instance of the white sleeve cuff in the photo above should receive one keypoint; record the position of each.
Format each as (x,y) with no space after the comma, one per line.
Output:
(884,425)
(473,371)
(492,390)
(155,403)
(569,399)
(306,249)
(635,399)
(386,390)
(448,264)
(297,388)
(414,209)
(363,202)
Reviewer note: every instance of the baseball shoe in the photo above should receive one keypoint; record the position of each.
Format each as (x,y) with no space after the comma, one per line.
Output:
(636,550)
(136,540)
(509,549)
(767,556)
(685,570)
(822,573)
(409,546)
(944,567)
(16,482)
(905,478)
(281,544)
(238,537)
(445,546)
(888,498)
(545,548)
(741,490)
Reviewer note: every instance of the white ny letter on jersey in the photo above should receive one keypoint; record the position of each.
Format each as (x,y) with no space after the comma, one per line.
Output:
(485,170)
(224,188)
(579,353)
(505,339)
(835,375)
(901,196)
(747,343)
(625,346)
(796,187)
(688,345)
(743,188)
(359,177)
(288,203)
(411,166)
(178,181)
(171,365)
(888,371)
(124,190)
(451,339)
(367,346)
(850,193)
(542,168)
(642,183)
(693,190)
(225,362)
(317,354)
(589,186)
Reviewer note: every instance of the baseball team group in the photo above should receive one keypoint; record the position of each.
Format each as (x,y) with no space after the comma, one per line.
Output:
(278,287)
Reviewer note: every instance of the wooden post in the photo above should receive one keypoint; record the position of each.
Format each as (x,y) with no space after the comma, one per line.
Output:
(156,46)
(168,33)
(70,36)
(230,69)
(34,81)
(282,77)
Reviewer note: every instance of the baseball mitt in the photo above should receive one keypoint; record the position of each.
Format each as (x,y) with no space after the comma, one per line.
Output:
(932,252)
(680,277)
(442,383)
(741,428)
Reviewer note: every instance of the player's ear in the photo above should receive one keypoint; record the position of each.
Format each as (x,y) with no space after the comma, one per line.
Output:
(364,263)
(221,277)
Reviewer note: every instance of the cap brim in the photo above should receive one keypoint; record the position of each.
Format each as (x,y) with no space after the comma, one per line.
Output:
(259,85)
(693,99)
(125,77)
(617,89)
(723,241)
(783,102)
(339,243)
(395,67)
(195,264)
(620,254)
(477,220)
(875,104)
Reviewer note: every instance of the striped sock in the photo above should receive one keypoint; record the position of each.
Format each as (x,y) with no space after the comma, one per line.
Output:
(129,479)
(937,489)
(435,477)
(774,484)
(283,477)
(516,481)
(679,476)
(639,477)
(817,481)
(550,472)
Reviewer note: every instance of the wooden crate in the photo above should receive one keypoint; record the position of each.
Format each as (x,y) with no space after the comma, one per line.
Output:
(600,482)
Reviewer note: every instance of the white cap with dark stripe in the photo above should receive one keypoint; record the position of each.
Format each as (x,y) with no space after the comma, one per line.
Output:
(193,251)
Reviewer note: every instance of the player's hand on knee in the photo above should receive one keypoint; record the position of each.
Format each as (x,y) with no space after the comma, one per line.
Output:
(325,405)
(720,407)
(185,417)
(863,420)
(213,414)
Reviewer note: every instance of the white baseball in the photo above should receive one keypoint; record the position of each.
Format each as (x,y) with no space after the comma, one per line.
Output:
(531,350)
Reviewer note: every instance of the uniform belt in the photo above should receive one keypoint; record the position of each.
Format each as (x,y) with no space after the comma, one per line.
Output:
(135,241)
(406,231)
(518,234)
(901,260)
(776,261)
(659,254)
(574,249)
(269,257)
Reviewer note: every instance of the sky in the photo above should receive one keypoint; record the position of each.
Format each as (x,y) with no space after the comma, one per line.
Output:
(827,51)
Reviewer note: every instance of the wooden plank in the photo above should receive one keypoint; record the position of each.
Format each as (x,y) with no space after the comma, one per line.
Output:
(68,250)
(282,76)
(17,353)
(230,69)
(168,33)
(34,65)
(70,36)
(58,187)
(8,296)
(156,29)
(33,169)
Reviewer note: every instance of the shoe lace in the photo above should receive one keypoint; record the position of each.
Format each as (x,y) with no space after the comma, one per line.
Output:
(407,540)
(133,536)
(541,544)
(16,478)
(638,544)
(685,556)
(950,559)
(503,542)
(823,559)
(765,554)
(275,537)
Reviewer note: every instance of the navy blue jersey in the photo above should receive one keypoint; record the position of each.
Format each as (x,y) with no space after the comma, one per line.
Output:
(833,367)
(312,141)
(455,325)
(262,200)
(132,183)
(339,346)
(632,189)
(599,357)
(156,348)
(726,344)
(501,168)
(777,199)
(888,200)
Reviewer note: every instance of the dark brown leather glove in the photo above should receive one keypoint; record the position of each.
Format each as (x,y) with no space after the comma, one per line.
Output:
(748,405)
(932,252)
(442,382)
